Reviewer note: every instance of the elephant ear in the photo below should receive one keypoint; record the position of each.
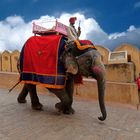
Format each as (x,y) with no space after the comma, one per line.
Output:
(71,64)
(69,45)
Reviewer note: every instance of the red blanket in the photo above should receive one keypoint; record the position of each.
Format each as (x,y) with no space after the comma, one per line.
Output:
(40,63)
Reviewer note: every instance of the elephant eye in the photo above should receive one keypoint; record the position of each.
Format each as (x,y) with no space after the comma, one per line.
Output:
(88,62)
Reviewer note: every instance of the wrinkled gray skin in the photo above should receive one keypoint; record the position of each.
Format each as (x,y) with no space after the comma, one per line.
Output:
(88,63)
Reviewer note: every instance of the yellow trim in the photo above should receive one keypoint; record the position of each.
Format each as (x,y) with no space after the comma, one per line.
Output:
(84,46)
(43,85)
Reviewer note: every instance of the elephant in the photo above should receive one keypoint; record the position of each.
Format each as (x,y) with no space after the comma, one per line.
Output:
(86,62)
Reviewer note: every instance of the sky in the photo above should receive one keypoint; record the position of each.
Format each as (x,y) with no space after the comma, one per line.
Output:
(107,23)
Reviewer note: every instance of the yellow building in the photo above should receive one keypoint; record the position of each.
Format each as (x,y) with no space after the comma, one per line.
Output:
(6,62)
(14,59)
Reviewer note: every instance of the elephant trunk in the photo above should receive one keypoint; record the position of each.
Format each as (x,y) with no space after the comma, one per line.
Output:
(99,73)
(101,92)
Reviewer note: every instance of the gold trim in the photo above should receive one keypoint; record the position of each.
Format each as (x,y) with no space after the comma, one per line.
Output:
(84,46)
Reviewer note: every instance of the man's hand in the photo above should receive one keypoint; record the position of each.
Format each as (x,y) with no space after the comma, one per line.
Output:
(79,28)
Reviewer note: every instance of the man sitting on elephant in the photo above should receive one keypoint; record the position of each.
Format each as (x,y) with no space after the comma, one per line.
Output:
(73,34)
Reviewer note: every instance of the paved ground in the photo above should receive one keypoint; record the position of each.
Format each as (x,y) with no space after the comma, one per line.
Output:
(20,122)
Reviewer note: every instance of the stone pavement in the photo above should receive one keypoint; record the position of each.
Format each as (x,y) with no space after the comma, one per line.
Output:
(20,122)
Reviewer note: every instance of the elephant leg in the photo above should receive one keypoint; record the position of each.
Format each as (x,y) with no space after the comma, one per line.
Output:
(36,105)
(65,104)
(22,96)
(70,91)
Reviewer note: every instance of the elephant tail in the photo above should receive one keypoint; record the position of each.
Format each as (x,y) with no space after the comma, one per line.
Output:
(13,86)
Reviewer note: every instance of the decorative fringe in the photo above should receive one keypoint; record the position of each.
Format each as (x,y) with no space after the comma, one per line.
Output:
(83,46)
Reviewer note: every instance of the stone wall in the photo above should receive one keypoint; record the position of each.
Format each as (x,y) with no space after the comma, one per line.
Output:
(118,72)
(115,91)
(123,72)
(8,61)
(14,58)
(118,92)
(133,55)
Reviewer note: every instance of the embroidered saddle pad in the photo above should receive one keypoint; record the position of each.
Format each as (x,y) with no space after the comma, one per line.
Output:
(40,61)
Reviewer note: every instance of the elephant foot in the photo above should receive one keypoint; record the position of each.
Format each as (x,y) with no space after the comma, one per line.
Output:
(37,106)
(60,108)
(69,111)
(21,101)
